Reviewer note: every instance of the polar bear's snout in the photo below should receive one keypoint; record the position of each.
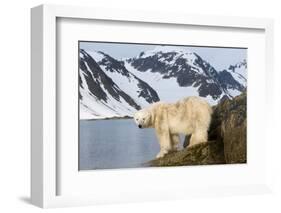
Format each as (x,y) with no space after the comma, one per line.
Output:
(139,126)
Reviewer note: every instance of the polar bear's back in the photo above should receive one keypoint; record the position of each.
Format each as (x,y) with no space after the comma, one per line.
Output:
(189,114)
(198,105)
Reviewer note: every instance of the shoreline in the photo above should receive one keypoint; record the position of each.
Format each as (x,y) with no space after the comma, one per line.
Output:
(111,118)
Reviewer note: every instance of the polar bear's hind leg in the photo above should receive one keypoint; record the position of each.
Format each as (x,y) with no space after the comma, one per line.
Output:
(199,136)
(175,139)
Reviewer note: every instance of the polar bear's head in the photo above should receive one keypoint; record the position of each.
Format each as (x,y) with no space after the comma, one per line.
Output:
(143,118)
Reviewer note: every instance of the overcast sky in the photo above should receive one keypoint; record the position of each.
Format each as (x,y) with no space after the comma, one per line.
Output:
(219,58)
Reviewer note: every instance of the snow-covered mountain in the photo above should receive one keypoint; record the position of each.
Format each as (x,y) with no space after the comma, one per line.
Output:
(108,89)
(239,72)
(178,73)
(113,88)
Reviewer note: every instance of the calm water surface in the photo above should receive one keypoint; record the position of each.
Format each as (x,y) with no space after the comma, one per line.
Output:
(106,144)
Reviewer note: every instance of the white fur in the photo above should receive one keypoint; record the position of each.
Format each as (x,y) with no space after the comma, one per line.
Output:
(189,116)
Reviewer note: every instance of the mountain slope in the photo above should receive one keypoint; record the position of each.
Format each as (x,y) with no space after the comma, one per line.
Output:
(238,71)
(101,97)
(139,90)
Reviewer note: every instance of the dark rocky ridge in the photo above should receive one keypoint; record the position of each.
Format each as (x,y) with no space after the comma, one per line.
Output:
(113,65)
(227,138)
(233,67)
(228,82)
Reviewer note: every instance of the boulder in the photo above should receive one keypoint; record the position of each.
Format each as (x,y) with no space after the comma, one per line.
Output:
(229,125)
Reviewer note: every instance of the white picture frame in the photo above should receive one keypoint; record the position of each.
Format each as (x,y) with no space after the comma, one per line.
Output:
(44,150)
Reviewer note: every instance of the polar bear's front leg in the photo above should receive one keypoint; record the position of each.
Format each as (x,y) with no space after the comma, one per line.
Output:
(162,132)
(165,144)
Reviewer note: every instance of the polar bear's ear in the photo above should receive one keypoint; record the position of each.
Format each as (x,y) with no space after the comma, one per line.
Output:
(136,113)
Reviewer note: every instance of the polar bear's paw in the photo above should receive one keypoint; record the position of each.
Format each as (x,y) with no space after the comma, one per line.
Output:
(161,154)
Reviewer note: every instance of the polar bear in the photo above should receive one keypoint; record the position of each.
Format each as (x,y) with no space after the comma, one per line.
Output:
(189,116)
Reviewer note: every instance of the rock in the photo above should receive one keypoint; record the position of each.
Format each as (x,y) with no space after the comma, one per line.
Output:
(200,154)
(227,135)
(229,125)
